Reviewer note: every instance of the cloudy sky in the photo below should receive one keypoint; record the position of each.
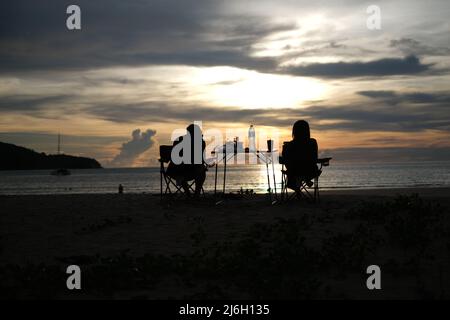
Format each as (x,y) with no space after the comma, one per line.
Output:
(137,70)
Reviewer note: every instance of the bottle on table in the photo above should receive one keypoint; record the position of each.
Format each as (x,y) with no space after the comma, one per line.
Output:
(251,139)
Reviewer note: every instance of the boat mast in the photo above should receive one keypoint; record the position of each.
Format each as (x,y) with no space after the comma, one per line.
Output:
(59,143)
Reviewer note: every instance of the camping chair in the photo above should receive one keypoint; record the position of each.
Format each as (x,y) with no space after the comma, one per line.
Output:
(304,192)
(168,185)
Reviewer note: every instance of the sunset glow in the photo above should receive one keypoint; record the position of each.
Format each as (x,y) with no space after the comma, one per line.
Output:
(228,65)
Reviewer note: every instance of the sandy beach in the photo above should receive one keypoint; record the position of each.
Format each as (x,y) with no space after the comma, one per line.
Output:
(57,230)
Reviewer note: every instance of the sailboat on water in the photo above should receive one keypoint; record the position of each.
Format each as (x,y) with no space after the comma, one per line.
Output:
(60,171)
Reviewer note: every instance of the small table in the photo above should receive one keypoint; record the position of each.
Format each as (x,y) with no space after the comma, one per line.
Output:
(265,156)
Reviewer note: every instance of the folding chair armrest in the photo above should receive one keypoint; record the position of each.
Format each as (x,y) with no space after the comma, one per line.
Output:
(324,161)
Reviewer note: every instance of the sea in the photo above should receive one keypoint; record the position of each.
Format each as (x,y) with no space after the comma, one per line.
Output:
(248,177)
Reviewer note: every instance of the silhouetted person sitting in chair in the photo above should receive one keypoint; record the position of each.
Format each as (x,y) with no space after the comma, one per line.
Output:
(300,157)
(192,168)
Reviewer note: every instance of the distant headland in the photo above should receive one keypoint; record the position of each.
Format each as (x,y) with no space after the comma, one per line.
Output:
(19,158)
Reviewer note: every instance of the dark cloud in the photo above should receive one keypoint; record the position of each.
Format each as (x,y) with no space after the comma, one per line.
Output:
(166,32)
(360,116)
(209,58)
(119,33)
(320,47)
(131,150)
(410,65)
(389,155)
(378,94)
(410,46)
(384,110)
(382,117)
(30,103)
(388,111)
(39,106)
(393,97)
(163,112)
(225,82)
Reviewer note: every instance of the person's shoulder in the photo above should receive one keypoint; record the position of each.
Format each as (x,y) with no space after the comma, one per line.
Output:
(313,143)
(288,144)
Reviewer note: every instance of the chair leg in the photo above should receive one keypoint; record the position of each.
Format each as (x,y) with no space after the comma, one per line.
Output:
(191,186)
(303,192)
(284,190)
(161,181)
(168,181)
(316,190)
(178,189)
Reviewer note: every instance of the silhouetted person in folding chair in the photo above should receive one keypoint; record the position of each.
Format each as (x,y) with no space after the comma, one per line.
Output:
(194,168)
(300,157)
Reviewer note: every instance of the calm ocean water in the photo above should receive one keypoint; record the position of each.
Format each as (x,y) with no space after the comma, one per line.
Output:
(139,180)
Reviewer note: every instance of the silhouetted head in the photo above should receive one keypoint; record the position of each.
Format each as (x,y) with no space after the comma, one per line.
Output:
(300,131)
(194,129)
